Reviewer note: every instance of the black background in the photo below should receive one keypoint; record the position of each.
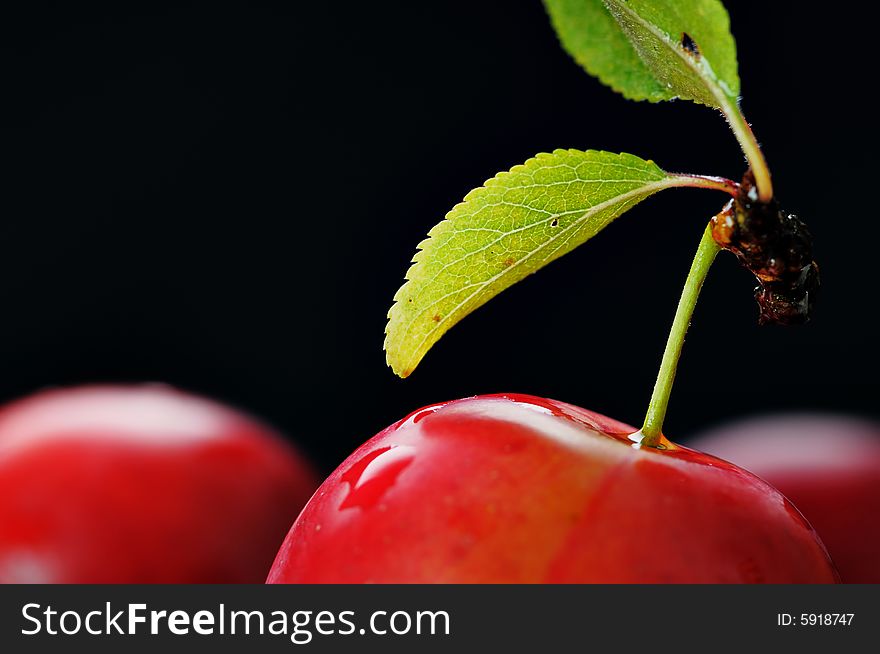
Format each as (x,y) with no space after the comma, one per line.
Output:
(225,198)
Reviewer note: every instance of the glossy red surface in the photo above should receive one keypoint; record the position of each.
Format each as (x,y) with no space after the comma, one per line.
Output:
(515,488)
(829,466)
(141,484)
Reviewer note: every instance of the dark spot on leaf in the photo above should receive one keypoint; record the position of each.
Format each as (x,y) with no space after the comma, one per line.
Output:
(689,45)
(555,222)
(508,262)
(410,299)
(436,317)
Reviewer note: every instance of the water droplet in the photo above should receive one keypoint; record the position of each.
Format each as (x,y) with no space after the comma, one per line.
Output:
(662,444)
(421,415)
(371,477)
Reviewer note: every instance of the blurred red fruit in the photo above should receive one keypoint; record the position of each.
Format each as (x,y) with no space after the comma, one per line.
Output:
(829,466)
(141,484)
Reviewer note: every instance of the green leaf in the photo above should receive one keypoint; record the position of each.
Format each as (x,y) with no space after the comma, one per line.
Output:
(649,50)
(518,222)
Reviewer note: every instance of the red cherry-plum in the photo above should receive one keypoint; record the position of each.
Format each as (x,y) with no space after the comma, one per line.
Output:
(141,484)
(514,488)
(829,466)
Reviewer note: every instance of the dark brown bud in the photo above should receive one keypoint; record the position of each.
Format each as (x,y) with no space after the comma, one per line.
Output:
(777,248)
(787,305)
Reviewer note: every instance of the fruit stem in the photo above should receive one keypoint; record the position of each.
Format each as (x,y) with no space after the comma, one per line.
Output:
(651,433)
(705,181)
(749,144)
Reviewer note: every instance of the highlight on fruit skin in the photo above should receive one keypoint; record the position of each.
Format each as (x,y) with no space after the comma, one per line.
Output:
(142,484)
(520,489)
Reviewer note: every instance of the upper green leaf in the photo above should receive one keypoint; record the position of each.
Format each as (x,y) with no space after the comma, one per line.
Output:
(648,50)
(505,230)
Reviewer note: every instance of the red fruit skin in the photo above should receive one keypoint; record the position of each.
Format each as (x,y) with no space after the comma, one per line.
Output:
(141,484)
(829,466)
(518,489)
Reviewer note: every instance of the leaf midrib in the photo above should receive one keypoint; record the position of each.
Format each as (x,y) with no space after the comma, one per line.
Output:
(668,182)
(503,234)
(714,88)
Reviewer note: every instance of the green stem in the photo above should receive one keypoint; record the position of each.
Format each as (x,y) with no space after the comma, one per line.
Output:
(652,432)
(750,148)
